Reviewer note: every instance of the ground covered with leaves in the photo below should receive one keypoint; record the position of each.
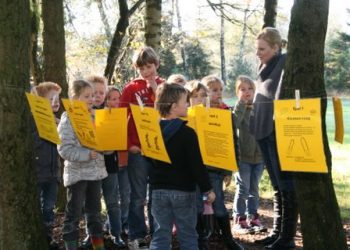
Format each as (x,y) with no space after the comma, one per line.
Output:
(247,240)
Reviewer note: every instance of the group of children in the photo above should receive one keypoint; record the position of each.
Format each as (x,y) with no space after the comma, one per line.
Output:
(176,192)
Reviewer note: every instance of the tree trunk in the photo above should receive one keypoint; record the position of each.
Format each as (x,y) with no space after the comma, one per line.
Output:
(35,68)
(182,45)
(270,13)
(122,25)
(320,216)
(153,23)
(104,20)
(20,217)
(54,43)
(222,50)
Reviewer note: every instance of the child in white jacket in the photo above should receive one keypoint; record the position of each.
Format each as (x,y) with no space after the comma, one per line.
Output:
(84,169)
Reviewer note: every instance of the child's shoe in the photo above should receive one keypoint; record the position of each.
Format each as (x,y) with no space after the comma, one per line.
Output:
(255,223)
(241,226)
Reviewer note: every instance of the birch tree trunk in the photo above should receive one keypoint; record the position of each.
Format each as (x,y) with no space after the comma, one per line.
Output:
(153,23)
(320,216)
(20,217)
(222,50)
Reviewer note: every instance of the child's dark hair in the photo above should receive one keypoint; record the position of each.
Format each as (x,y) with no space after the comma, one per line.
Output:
(167,95)
(77,87)
(145,56)
(110,90)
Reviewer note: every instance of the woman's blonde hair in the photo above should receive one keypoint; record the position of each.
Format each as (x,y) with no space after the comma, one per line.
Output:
(77,87)
(271,35)
(244,79)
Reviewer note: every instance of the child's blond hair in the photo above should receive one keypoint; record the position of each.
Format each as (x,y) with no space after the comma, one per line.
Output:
(194,86)
(45,87)
(244,79)
(77,87)
(94,79)
(145,55)
(177,79)
(210,79)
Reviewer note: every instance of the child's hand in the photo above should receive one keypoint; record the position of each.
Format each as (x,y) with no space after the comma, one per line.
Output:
(134,149)
(211,197)
(227,180)
(93,155)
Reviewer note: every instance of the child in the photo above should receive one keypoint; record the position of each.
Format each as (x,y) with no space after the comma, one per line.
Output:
(197,92)
(176,79)
(174,185)
(112,101)
(146,63)
(47,163)
(251,163)
(110,185)
(83,171)
(219,176)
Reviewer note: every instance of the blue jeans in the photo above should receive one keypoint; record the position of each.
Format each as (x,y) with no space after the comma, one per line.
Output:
(216,181)
(138,170)
(247,188)
(83,195)
(111,197)
(171,206)
(124,191)
(280,180)
(47,192)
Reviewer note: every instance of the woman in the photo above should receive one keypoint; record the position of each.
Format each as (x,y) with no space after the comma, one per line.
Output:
(269,44)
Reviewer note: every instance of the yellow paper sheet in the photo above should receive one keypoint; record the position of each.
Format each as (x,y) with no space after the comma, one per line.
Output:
(338,118)
(215,135)
(299,136)
(111,128)
(191,117)
(44,118)
(148,129)
(81,121)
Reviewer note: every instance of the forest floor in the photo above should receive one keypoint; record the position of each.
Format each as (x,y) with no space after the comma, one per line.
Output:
(247,240)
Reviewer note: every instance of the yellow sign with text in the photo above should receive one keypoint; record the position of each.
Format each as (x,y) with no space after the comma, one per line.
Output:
(44,118)
(299,136)
(149,132)
(215,135)
(81,121)
(339,122)
(111,128)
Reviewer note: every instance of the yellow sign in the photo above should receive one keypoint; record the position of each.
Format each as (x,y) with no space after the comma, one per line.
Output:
(81,121)
(44,118)
(191,117)
(338,117)
(148,129)
(111,128)
(299,136)
(215,135)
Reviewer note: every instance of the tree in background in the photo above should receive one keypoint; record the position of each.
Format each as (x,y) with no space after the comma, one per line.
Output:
(20,218)
(270,13)
(54,43)
(319,211)
(337,62)
(153,23)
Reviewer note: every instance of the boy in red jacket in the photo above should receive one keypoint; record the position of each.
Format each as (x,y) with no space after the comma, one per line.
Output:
(146,62)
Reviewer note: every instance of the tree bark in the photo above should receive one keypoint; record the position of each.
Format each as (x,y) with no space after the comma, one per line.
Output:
(118,36)
(35,68)
(54,43)
(270,13)
(153,23)
(182,44)
(20,219)
(222,50)
(320,216)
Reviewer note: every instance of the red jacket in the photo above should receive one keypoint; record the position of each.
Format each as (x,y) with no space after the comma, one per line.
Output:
(137,86)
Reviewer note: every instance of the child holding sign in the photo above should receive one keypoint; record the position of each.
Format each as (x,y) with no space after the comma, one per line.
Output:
(219,176)
(47,162)
(174,185)
(251,164)
(84,169)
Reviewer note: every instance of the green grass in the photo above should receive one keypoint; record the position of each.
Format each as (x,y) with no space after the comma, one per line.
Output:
(340,160)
